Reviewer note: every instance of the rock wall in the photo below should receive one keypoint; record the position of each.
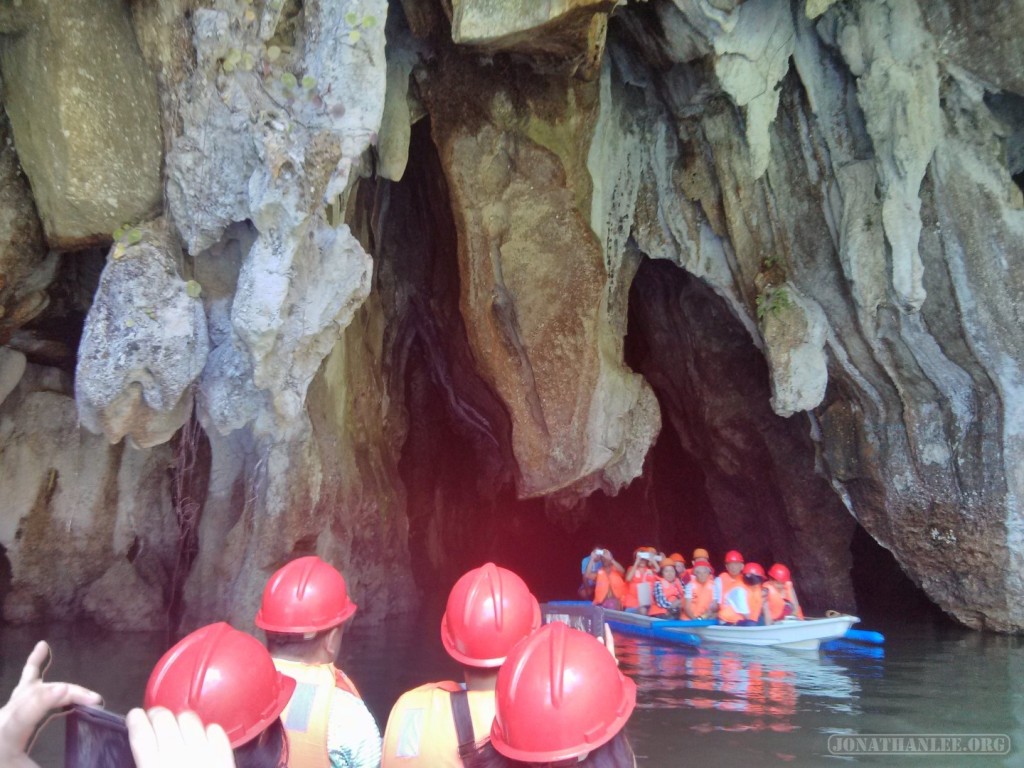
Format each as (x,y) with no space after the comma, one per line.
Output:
(381,222)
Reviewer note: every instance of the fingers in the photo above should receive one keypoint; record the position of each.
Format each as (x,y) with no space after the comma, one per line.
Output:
(142,739)
(161,740)
(168,734)
(32,699)
(33,669)
(76,694)
(220,747)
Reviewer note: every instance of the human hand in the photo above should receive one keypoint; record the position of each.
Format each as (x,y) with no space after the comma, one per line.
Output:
(161,740)
(30,700)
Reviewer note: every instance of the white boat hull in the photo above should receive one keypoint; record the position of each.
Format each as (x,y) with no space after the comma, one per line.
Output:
(793,634)
(805,635)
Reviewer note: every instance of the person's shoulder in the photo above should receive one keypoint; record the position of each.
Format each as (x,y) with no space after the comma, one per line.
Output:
(427,691)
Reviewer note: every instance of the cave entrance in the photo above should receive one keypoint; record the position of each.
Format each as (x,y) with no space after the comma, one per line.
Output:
(726,472)
(883,591)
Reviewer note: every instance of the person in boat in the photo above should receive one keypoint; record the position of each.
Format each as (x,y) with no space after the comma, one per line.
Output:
(598,559)
(729,578)
(700,602)
(698,554)
(610,588)
(227,678)
(669,592)
(303,612)
(745,604)
(782,602)
(561,700)
(489,610)
(682,572)
(640,580)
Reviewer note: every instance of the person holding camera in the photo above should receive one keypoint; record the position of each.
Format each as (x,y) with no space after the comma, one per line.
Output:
(640,580)
(609,586)
(598,560)
(157,738)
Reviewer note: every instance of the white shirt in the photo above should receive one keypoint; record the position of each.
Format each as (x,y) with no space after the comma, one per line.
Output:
(353,739)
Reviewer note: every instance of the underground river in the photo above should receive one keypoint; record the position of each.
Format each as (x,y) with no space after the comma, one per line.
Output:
(709,707)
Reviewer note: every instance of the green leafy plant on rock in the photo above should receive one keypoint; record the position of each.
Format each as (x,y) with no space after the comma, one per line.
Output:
(772,301)
(124,236)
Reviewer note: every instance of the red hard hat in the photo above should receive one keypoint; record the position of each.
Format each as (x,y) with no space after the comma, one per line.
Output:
(779,572)
(559,695)
(306,595)
(224,676)
(732,556)
(754,569)
(489,610)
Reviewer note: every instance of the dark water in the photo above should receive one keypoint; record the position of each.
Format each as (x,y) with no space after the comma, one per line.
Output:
(712,707)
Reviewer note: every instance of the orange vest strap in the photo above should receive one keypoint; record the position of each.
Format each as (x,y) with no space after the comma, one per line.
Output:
(307,715)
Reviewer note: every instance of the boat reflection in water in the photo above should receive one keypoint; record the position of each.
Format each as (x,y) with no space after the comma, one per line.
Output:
(752,689)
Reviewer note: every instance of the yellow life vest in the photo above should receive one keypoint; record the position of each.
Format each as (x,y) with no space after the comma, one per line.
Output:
(308,712)
(421,729)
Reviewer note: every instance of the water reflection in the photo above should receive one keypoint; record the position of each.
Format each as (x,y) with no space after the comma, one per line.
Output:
(762,688)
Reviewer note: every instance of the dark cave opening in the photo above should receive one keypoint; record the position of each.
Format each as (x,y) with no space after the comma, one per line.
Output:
(1008,108)
(900,601)
(53,337)
(725,471)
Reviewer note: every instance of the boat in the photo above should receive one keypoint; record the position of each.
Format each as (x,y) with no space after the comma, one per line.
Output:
(794,634)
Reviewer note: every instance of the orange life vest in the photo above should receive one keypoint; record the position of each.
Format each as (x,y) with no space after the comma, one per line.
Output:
(421,728)
(308,712)
(703,596)
(672,590)
(728,583)
(728,615)
(609,581)
(632,600)
(778,598)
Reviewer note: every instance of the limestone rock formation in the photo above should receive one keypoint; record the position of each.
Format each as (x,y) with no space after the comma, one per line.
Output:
(536,292)
(84,111)
(25,267)
(465,271)
(145,344)
(87,527)
(851,212)
(571,32)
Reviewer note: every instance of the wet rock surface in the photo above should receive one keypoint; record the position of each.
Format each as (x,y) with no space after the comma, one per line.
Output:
(84,112)
(467,282)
